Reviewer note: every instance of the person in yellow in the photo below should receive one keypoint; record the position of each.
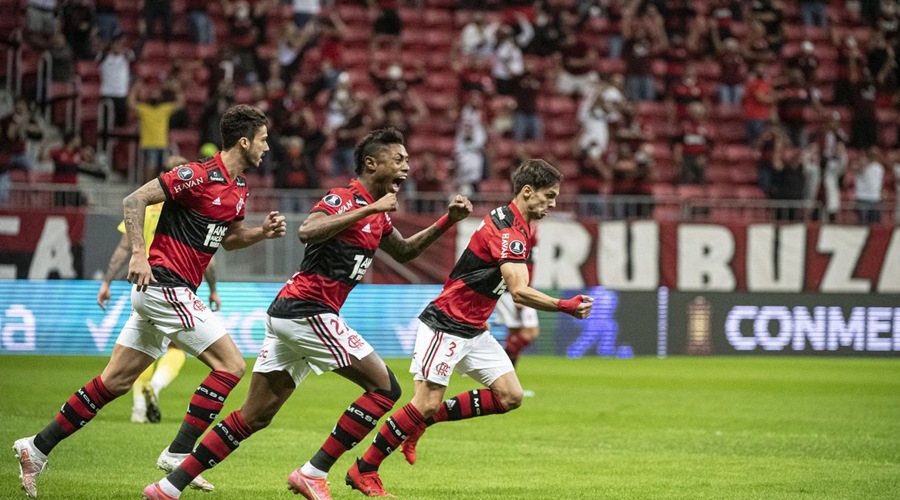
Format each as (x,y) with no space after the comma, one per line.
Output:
(147,387)
(153,115)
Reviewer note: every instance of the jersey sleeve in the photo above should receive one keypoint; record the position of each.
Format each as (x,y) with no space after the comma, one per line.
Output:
(178,182)
(388,226)
(508,245)
(332,202)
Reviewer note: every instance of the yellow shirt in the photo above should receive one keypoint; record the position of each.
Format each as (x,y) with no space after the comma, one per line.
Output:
(155,124)
(151,219)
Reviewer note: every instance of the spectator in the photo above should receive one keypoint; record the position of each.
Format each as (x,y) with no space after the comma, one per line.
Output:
(107,20)
(832,145)
(292,44)
(863,118)
(812,171)
(869,182)
(474,76)
(68,162)
(807,62)
(153,10)
(203,31)
(115,77)
(509,62)
(40,23)
(79,26)
(759,102)
(469,157)
(300,122)
(640,46)
(771,14)
(882,63)
(305,11)
(676,56)
(14,129)
(732,72)
(683,94)
(614,11)
(153,118)
(594,116)
(63,59)
(527,122)
(404,112)
(431,182)
(388,26)
(788,184)
(548,32)
(242,35)
(575,62)
(888,21)
(756,46)
(293,170)
(632,175)
(770,142)
(593,174)
(352,126)
(329,37)
(478,37)
(814,13)
(849,54)
(209,120)
(693,146)
(794,98)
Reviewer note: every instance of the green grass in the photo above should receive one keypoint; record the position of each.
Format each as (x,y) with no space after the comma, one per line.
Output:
(685,428)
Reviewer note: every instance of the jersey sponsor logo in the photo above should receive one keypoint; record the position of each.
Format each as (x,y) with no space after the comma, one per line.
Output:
(217,201)
(239,207)
(358,198)
(185,173)
(367,228)
(332,200)
(517,247)
(190,182)
(241,182)
(216,176)
(214,235)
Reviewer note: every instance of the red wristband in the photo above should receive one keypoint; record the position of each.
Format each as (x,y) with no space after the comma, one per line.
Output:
(444,222)
(569,306)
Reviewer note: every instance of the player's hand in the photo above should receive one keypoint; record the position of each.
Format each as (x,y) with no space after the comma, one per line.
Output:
(215,303)
(139,273)
(460,208)
(578,306)
(387,203)
(274,226)
(103,295)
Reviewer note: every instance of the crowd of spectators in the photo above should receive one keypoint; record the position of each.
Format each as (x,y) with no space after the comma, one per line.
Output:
(643,83)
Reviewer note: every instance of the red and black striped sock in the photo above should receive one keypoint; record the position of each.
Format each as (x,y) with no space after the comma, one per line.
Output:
(355,424)
(514,346)
(79,409)
(470,404)
(215,447)
(205,406)
(392,433)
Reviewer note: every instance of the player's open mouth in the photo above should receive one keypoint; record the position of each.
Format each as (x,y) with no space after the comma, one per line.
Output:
(396,183)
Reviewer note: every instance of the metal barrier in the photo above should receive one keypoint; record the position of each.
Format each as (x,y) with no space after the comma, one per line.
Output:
(103,197)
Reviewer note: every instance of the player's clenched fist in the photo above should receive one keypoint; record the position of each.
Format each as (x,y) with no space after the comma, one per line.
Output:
(274,226)
(578,306)
(387,203)
(139,273)
(460,208)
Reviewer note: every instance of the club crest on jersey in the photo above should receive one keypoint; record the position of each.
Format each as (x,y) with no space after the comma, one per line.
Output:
(517,247)
(216,176)
(185,173)
(332,200)
(240,205)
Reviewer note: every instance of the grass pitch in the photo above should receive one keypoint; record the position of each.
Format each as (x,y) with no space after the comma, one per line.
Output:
(679,428)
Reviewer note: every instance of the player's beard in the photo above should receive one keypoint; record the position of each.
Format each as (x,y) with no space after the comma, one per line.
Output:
(250,160)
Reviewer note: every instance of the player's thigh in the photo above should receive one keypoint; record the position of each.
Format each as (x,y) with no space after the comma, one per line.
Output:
(267,394)
(279,354)
(141,335)
(370,372)
(437,354)
(486,360)
(184,318)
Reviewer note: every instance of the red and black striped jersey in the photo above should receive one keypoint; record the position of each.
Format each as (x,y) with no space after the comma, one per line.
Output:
(202,200)
(330,269)
(475,283)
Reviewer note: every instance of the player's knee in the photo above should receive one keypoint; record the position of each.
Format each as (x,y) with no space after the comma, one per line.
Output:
(236,367)
(395,391)
(512,400)
(118,385)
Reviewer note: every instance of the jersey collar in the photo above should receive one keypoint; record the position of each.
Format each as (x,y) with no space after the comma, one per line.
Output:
(355,185)
(519,219)
(221,165)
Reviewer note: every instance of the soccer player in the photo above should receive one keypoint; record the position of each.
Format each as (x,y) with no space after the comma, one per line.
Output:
(453,333)
(521,322)
(203,210)
(146,389)
(304,329)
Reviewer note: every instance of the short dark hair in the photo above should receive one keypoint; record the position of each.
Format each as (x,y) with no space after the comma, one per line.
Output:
(241,121)
(373,143)
(536,173)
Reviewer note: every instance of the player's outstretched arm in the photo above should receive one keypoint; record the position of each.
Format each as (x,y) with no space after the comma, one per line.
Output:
(406,249)
(320,226)
(515,275)
(116,263)
(237,236)
(135,204)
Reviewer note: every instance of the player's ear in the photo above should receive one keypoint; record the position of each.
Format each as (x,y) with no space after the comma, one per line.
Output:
(244,142)
(369,163)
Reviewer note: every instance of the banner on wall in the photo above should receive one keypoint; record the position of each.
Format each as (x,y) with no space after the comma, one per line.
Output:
(41,245)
